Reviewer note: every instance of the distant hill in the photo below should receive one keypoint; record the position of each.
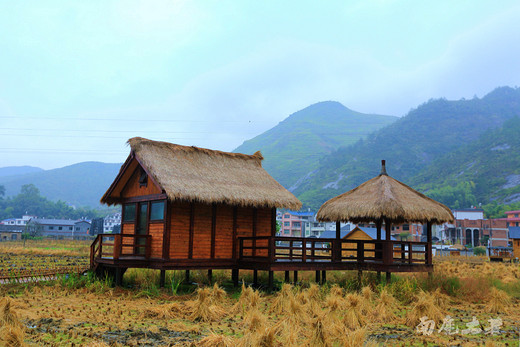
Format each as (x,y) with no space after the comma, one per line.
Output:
(487,169)
(18,170)
(294,147)
(410,144)
(80,184)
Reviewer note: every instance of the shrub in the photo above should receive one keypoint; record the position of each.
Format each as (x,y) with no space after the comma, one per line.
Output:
(480,250)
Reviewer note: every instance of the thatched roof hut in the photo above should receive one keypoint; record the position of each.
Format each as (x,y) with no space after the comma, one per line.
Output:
(384,198)
(203,175)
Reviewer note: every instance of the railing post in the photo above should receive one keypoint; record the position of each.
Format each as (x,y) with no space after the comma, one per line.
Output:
(117,244)
(148,247)
(388,252)
(336,250)
(410,253)
(403,253)
(360,252)
(304,250)
(101,246)
(272,245)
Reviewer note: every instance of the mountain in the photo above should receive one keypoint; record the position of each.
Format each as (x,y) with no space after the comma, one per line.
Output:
(487,169)
(18,170)
(80,184)
(411,144)
(294,147)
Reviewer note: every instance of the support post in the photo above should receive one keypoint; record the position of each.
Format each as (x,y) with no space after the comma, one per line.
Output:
(119,277)
(234,277)
(323,276)
(359,276)
(255,277)
(318,277)
(162,278)
(388,277)
(187,276)
(295,277)
(336,245)
(210,276)
(270,281)
(429,243)
(388,249)
(287,277)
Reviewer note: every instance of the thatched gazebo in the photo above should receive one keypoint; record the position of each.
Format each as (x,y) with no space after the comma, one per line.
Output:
(384,199)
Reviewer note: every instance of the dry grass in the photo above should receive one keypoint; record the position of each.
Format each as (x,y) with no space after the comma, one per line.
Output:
(217,340)
(499,301)
(424,305)
(12,331)
(249,299)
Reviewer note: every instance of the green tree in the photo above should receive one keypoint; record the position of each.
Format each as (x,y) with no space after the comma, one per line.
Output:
(2,190)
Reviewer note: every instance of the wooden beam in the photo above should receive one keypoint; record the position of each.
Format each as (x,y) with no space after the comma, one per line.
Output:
(190,241)
(318,276)
(167,226)
(323,276)
(234,251)
(338,230)
(255,217)
(210,276)
(213,228)
(429,243)
(162,278)
(234,277)
(273,221)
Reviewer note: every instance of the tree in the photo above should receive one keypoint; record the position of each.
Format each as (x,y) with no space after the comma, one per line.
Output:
(404,236)
(32,231)
(2,190)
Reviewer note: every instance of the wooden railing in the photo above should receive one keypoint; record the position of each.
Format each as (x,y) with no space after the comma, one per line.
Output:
(115,246)
(298,249)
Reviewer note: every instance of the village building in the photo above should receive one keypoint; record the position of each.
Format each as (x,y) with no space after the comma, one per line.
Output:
(60,228)
(514,235)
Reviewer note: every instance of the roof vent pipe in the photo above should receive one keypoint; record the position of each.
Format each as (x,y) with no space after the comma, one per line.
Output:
(383,168)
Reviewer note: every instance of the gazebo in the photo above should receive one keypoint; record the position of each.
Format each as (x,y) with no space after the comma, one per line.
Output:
(385,200)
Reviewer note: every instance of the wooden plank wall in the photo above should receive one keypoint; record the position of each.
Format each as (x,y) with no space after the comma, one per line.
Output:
(224,232)
(202,227)
(179,230)
(156,231)
(202,232)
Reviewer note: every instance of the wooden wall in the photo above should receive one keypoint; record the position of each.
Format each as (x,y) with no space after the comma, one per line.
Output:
(205,244)
(156,231)
(132,188)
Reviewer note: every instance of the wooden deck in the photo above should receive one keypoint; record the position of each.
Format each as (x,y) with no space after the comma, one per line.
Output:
(273,254)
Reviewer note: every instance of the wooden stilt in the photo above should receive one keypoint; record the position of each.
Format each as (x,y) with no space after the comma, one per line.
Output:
(255,277)
(379,276)
(295,277)
(323,276)
(270,281)
(162,278)
(359,276)
(187,276)
(388,277)
(287,277)
(318,277)
(210,276)
(234,277)
(119,277)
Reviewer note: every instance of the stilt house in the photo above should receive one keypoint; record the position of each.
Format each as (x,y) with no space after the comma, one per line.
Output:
(186,208)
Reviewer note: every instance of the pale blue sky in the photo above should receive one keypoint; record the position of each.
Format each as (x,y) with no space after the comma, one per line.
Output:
(78,78)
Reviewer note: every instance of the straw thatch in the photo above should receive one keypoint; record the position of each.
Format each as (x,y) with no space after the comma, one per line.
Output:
(208,176)
(382,198)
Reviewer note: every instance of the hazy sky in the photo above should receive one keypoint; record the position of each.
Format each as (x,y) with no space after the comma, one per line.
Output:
(78,78)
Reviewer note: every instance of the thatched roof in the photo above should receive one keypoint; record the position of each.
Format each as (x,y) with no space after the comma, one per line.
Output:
(204,175)
(382,198)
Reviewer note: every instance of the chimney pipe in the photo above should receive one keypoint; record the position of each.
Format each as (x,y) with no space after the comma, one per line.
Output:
(383,168)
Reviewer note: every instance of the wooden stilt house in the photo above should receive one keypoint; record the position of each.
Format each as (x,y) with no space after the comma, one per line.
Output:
(186,208)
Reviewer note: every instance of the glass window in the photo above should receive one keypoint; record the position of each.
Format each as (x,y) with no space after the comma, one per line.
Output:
(51,228)
(129,213)
(286,224)
(406,227)
(60,228)
(70,228)
(157,210)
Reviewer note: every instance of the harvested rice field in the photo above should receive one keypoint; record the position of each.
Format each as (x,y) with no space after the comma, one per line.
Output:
(461,304)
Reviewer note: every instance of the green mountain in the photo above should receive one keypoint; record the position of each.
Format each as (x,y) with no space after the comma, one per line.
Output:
(294,147)
(487,169)
(411,144)
(80,184)
(18,170)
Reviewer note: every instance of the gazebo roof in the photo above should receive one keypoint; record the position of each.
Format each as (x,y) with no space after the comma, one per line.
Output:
(384,198)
